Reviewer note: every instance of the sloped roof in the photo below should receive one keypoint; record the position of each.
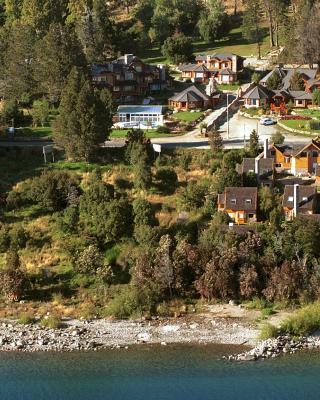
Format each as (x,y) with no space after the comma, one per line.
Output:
(193,67)
(286,75)
(249,164)
(300,95)
(227,71)
(313,142)
(278,70)
(192,93)
(241,195)
(258,92)
(220,56)
(306,197)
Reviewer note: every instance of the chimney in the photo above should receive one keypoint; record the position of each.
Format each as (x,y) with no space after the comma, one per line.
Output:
(128,58)
(266,148)
(234,63)
(295,200)
(256,166)
(208,60)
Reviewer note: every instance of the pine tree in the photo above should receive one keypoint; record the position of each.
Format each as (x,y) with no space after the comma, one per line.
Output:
(252,23)
(19,63)
(296,82)
(215,141)
(254,143)
(84,122)
(56,53)
(13,279)
(274,82)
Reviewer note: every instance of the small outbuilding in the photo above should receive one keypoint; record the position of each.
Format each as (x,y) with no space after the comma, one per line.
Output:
(140,116)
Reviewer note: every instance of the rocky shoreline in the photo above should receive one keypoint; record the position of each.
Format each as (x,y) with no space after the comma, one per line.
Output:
(272,348)
(94,335)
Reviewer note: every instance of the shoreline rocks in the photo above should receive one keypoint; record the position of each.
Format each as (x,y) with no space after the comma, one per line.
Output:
(272,348)
(95,335)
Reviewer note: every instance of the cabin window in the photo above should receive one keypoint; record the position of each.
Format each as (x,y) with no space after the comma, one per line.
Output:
(290,198)
(287,160)
(315,154)
(278,165)
(251,216)
(304,198)
(233,201)
(248,201)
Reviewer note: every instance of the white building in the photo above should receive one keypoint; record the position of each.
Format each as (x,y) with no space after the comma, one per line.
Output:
(143,117)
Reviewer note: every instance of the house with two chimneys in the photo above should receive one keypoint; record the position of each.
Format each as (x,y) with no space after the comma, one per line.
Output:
(224,68)
(261,96)
(129,78)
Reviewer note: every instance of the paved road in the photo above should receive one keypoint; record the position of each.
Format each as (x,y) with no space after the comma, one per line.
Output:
(239,132)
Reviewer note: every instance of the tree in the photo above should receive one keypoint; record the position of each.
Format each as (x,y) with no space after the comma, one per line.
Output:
(214,22)
(40,113)
(94,28)
(277,138)
(267,201)
(56,54)
(316,97)
(225,177)
(252,23)
(192,197)
(274,82)
(254,147)
(167,179)
(215,141)
(83,122)
(296,82)
(143,212)
(178,48)
(39,14)
(19,63)
(13,278)
(54,190)
(163,273)
(13,9)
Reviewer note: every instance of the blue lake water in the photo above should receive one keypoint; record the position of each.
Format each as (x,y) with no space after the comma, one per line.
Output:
(157,373)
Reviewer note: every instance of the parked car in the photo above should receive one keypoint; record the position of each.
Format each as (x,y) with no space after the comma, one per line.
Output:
(267,121)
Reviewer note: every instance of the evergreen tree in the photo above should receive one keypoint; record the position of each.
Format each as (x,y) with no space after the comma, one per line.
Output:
(254,147)
(19,63)
(56,53)
(274,82)
(316,97)
(215,141)
(13,278)
(296,82)
(40,14)
(214,22)
(84,122)
(252,23)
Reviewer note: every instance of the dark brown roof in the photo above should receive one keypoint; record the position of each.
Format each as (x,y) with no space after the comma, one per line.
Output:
(239,198)
(306,197)
(248,165)
(192,93)
(258,92)
(314,142)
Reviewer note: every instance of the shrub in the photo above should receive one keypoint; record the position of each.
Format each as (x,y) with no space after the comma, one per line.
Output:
(26,319)
(163,129)
(268,331)
(192,197)
(18,236)
(304,321)
(4,238)
(132,302)
(314,125)
(51,322)
(167,179)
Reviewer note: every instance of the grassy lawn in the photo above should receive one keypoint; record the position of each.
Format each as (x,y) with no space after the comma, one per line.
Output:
(121,133)
(80,166)
(309,113)
(187,116)
(301,125)
(231,88)
(41,132)
(235,43)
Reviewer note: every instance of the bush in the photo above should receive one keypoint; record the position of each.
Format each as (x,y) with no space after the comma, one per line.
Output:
(51,322)
(304,321)
(167,179)
(268,331)
(314,125)
(26,319)
(192,197)
(163,129)
(132,302)
(18,236)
